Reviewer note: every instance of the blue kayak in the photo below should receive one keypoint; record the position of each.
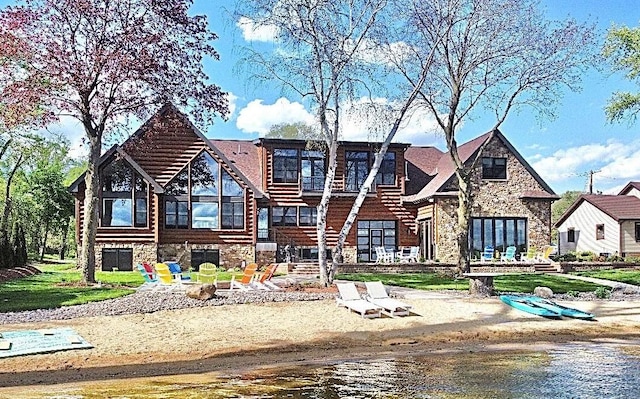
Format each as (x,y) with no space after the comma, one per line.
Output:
(526,305)
(563,310)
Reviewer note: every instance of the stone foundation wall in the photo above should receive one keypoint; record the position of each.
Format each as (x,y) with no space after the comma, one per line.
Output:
(142,252)
(231,255)
(495,198)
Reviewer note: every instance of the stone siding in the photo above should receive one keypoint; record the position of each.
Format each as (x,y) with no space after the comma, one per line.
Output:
(495,198)
(231,255)
(142,252)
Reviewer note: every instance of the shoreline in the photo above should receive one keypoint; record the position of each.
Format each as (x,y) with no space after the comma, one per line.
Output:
(233,338)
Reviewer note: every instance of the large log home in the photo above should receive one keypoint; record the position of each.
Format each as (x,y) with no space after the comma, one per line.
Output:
(169,193)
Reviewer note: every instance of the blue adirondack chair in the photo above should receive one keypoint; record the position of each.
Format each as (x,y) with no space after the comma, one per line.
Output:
(487,254)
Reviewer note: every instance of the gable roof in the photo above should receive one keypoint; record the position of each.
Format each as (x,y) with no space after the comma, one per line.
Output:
(169,107)
(629,186)
(164,110)
(107,155)
(422,165)
(445,170)
(618,207)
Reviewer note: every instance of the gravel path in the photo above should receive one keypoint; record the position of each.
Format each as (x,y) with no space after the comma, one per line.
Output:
(149,302)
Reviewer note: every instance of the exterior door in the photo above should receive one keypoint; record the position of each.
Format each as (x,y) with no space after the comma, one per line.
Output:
(426,239)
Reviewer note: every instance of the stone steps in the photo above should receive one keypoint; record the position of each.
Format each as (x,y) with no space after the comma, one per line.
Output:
(546,268)
(305,269)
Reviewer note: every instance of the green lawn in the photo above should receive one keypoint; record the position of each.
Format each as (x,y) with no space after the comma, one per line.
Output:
(525,283)
(629,276)
(59,285)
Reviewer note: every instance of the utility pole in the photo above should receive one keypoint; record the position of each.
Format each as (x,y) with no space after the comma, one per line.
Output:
(591,173)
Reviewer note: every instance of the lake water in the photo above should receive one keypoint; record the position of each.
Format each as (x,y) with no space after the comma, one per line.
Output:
(567,371)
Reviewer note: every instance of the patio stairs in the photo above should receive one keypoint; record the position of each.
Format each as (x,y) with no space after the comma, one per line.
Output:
(547,267)
(305,269)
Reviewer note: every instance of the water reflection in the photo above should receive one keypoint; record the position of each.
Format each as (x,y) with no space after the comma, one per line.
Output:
(569,371)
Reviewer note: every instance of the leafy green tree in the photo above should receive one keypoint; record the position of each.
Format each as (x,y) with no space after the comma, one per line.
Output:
(299,131)
(105,62)
(560,206)
(18,245)
(622,49)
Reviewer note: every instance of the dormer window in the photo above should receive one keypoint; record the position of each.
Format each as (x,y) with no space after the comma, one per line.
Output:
(285,165)
(494,168)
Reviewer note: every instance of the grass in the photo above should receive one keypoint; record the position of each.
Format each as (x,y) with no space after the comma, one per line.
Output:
(524,283)
(629,276)
(59,285)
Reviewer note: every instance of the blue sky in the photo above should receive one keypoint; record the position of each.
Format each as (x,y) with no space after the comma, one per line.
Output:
(562,150)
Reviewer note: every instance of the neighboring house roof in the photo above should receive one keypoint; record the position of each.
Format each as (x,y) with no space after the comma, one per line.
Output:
(629,186)
(618,207)
(421,167)
(445,170)
(107,155)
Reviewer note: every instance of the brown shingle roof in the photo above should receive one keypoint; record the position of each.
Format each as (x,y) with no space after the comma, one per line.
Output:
(629,186)
(445,168)
(245,156)
(619,207)
(421,167)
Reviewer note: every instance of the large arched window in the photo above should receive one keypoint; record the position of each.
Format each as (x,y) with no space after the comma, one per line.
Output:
(124,197)
(210,186)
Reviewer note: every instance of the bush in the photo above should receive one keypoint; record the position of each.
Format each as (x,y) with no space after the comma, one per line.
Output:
(586,256)
(573,293)
(568,257)
(602,293)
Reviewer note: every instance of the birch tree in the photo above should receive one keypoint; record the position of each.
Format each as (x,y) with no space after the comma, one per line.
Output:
(492,57)
(331,55)
(105,61)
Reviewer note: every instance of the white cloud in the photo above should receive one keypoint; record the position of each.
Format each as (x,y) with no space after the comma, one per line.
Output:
(233,99)
(257,117)
(567,163)
(72,129)
(252,32)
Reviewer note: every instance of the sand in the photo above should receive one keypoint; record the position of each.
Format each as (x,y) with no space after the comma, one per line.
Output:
(239,337)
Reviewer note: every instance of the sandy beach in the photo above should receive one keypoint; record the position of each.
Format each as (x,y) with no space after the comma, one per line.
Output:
(233,338)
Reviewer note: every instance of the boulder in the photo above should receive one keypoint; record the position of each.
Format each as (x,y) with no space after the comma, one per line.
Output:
(543,292)
(201,291)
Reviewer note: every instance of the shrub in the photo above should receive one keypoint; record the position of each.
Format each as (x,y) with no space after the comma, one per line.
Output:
(568,257)
(573,293)
(602,293)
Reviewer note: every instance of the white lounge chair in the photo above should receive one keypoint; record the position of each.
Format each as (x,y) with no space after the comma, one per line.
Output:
(377,294)
(350,299)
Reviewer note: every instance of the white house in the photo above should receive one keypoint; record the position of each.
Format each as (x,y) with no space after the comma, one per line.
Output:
(603,224)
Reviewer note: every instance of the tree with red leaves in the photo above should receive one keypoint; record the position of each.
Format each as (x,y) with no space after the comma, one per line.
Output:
(104,61)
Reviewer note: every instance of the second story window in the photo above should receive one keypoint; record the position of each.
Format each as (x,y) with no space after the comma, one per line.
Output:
(494,168)
(285,165)
(313,170)
(356,169)
(387,172)
(124,197)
